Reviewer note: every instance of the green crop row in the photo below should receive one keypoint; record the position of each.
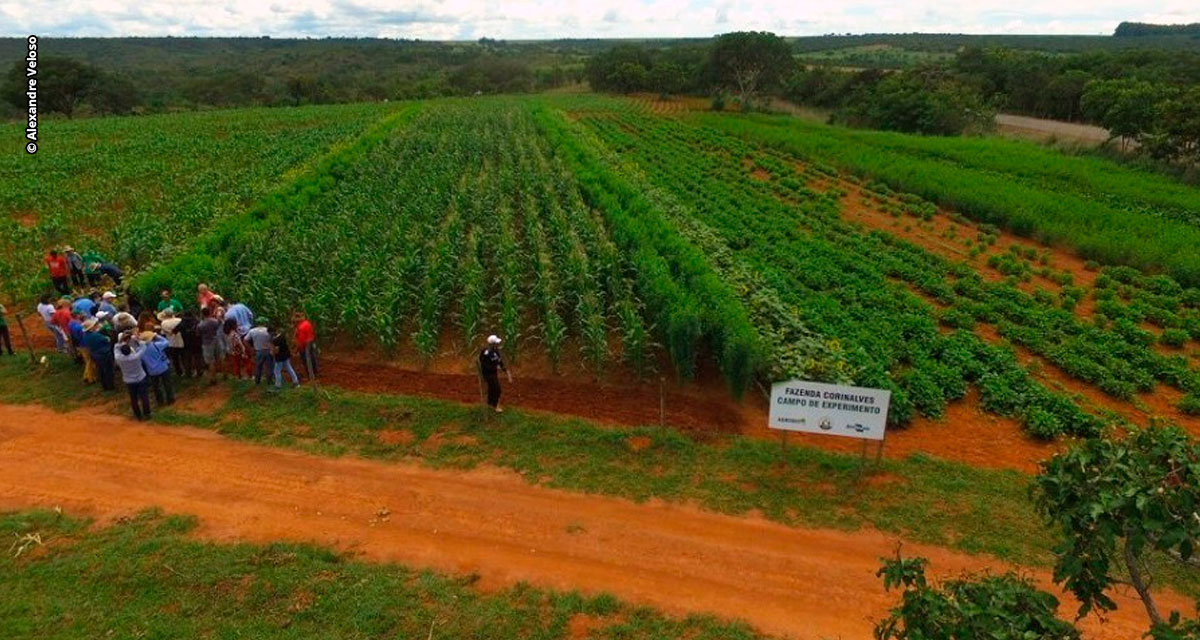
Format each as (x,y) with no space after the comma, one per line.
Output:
(460,219)
(837,279)
(1102,211)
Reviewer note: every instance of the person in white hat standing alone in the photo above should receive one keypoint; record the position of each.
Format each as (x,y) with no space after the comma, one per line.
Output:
(490,364)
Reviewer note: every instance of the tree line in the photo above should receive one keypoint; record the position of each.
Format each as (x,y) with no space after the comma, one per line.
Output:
(102,76)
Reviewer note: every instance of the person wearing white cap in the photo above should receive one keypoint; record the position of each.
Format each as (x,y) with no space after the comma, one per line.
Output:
(490,363)
(106,304)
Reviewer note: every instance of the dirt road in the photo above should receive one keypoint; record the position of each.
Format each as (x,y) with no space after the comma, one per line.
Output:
(1042,129)
(792,582)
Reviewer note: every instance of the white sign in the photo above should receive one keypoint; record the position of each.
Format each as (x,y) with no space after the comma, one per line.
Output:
(836,410)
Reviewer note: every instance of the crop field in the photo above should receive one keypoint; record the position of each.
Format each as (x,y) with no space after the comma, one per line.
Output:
(138,189)
(620,238)
(653,267)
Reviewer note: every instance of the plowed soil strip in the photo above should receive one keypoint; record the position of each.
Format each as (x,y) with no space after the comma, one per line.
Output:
(793,582)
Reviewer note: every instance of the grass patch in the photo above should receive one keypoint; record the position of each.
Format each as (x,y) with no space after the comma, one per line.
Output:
(142,578)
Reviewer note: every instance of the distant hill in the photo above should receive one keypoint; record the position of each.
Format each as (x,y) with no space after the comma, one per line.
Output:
(952,42)
(1143,29)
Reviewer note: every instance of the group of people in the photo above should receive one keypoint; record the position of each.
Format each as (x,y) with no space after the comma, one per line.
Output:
(69,268)
(107,333)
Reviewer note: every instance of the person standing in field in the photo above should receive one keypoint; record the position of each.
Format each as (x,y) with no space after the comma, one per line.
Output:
(60,271)
(5,339)
(240,356)
(193,356)
(260,340)
(283,359)
(169,301)
(79,335)
(62,322)
(170,329)
(158,368)
(306,343)
(75,261)
(101,350)
(46,311)
(128,354)
(490,364)
(209,331)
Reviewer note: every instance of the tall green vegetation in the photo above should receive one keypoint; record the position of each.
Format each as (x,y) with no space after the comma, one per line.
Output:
(139,190)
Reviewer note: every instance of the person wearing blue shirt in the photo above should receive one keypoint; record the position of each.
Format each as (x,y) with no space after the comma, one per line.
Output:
(241,314)
(128,354)
(158,367)
(84,305)
(100,349)
(106,304)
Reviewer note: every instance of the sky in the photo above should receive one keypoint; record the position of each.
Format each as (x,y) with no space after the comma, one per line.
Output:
(533,19)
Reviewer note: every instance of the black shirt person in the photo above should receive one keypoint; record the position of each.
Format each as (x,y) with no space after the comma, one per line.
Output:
(490,363)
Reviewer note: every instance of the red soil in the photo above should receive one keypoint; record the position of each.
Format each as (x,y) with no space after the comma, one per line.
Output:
(488,522)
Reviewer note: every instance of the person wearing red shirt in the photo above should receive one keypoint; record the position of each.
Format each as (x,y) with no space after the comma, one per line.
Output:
(306,343)
(61,319)
(60,271)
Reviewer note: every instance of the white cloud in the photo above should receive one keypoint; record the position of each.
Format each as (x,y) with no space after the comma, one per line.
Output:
(451,19)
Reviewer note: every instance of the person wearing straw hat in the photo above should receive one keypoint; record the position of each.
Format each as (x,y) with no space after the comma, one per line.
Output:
(490,364)
(158,368)
(100,349)
(170,325)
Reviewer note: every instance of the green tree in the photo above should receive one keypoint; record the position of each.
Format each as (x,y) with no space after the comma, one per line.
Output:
(601,69)
(1127,108)
(919,101)
(749,62)
(1116,501)
(1007,607)
(666,78)
(628,77)
(63,84)
(1181,124)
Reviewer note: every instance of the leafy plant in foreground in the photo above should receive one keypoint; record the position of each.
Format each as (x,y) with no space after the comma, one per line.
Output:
(1007,607)
(1117,501)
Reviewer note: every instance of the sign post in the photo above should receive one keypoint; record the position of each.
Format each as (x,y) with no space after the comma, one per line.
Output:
(830,409)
